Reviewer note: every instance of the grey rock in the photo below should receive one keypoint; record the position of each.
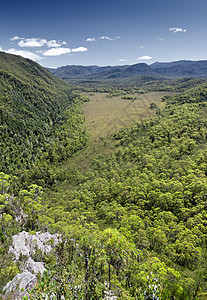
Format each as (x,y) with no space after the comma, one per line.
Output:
(20,282)
(34,267)
(26,244)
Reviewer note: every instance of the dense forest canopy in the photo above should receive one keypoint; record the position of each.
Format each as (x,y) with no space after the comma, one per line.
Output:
(133,224)
(35,107)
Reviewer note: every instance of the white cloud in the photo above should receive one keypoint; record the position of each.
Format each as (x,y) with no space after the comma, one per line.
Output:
(60,51)
(80,49)
(122,59)
(160,39)
(1,48)
(91,40)
(177,29)
(102,38)
(33,42)
(145,57)
(15,38)
(37,42)
(105,38)
(57,51)
(54,43)
(141,47)
(25,54)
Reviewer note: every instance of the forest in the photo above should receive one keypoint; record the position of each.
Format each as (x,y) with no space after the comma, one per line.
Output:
(133,222)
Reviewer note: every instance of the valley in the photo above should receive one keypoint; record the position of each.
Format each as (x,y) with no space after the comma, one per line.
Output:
(119,174)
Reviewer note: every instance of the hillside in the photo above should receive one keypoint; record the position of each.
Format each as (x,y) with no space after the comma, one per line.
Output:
(26,70)
(33,106)
(177,69)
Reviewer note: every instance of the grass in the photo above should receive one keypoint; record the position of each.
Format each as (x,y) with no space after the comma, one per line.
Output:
(105,116)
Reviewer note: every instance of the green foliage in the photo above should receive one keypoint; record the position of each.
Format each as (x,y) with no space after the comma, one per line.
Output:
(40,118)
(31,204)
(152,191)
(140,84)
(129,98)
(9,212)
(153,105)
(85,265)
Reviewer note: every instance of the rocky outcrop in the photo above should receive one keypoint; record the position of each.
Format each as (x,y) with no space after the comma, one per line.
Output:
(25,246)
(34,266)
(23,281)
(28,249)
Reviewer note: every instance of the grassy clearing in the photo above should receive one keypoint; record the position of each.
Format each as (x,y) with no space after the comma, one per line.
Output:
(104,116)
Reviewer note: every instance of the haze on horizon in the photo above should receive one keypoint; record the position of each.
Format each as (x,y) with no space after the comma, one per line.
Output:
(106,33)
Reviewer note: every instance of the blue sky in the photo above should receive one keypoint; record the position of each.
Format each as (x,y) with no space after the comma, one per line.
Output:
(115,32)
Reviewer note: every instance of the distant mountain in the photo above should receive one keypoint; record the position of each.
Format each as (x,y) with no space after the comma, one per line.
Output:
(182,68)
(95,72)
(158,65)
(67,72)
(176,69)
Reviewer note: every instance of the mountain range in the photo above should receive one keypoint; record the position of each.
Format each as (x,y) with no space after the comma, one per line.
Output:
(176,69)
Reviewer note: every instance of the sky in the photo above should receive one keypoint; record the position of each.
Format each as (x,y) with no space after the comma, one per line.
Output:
(109,32)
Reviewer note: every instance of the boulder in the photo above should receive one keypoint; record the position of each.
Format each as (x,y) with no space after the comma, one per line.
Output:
(21,282)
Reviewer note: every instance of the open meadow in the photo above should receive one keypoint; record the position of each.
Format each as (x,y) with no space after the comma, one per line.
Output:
(105,115)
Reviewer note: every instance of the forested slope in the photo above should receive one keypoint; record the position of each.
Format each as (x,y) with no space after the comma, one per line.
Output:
(34,107)
(40,127)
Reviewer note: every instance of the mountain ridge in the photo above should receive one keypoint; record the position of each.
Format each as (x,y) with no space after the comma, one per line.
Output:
(174,69)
